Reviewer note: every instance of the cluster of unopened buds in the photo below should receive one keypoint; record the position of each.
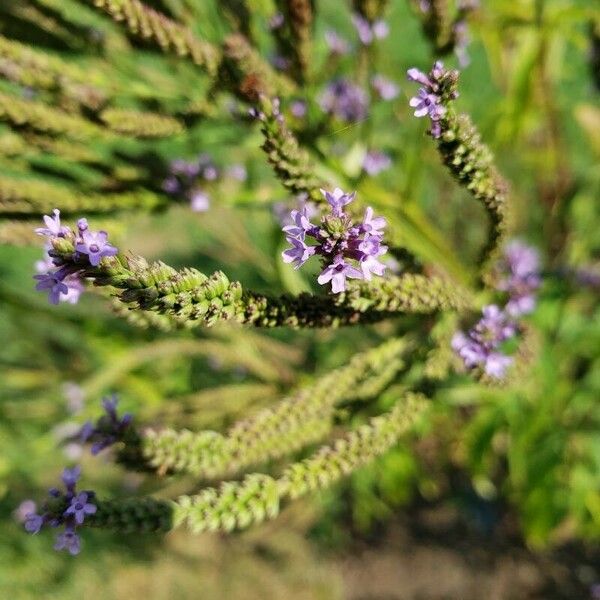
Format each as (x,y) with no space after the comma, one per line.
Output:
(65,281)
(437,87)
(518,275)
(348,250)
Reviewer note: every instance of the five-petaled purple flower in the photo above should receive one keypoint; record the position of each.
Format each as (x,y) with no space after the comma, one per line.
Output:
(348,250)
(95,244)
(68,540)
(53,227)
(80,507)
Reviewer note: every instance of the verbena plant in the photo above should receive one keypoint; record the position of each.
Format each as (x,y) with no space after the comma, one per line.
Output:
(104,126)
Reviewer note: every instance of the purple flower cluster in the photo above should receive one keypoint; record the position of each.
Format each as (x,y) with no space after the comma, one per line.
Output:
(369,32)
(64,282)
(479,347)
(348,251)
(109,428)
(69,509)
(429,98)
(188,179)
(345,100)
(519,276)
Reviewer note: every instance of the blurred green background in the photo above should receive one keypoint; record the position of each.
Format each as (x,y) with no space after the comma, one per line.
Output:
(499,498)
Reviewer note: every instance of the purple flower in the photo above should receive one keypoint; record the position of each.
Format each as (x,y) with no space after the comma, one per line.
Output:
(95,244)
(344,100)
(426,104)
(53,227)
(80,507)
(372,226)
(299,253)
(479,346)
(493,328)
(276,21)
(336,273)
(70,477)
(199,201)
(33,523)
(368,32)
(109,428)
(171,185)
(462,39)
(385,88)
(237,172)
(519,276)
(298,109)
(337,200)
(348,251)
(375,162)
(68,540)
(417,75)
(336,44)
(496,364)
(24,509)
(301,225)
(54,284)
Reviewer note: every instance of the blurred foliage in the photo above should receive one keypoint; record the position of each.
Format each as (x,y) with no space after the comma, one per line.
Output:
(533,445)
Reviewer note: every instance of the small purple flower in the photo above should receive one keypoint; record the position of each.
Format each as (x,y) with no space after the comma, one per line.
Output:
(386,89)
(80,507)
(68,540)
(426,104)
(344,100)
(461,35)
(337,200)
(199,201)
(33,523)
(237,171)
(70,477)
(496,364)
(53,227)
(24,509)
(301,225)
(519,276)
(336,44)
(298,109)
(368,32)
(53,282)
(337,272)
(95,244)
(375,162)
(109,428)
(171,185)
(372,225)
(82,225)
(417,75)
(276,21)
(493,328)
(299,253)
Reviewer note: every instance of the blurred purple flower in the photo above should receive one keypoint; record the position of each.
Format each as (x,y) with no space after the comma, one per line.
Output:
(199,201)
(68,540)
(375,162)
(368,32)
(344,100)
(386,89)
(336,44)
